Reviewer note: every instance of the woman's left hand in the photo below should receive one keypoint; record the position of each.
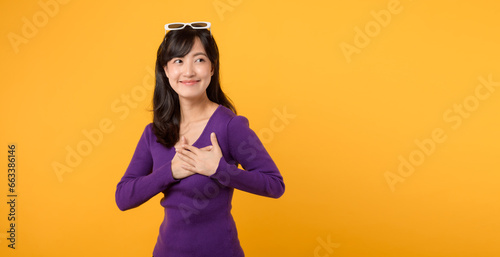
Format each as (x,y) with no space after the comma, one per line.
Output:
(202,161)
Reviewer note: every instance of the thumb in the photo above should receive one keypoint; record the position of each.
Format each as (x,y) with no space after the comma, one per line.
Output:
(184,140)
(213,139)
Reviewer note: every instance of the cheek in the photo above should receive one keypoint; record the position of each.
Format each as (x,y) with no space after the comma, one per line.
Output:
(172,82)
(172,74)
(171,69)
(205,71)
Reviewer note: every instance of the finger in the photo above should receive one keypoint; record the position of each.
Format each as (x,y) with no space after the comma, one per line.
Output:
(206,148)
(186,161)
(191,169)
(178,151)
(190,148)
(187,168)
(213,139)
(186,154)
(184,140)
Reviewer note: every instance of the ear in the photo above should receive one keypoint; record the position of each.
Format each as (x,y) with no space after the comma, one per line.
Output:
(165,69)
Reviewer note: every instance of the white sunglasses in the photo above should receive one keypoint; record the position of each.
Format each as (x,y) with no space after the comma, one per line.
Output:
(194,25)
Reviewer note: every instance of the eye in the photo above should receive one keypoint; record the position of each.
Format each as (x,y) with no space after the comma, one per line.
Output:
(200,60)
(177,61)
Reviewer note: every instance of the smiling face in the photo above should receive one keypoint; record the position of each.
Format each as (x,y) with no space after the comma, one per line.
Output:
(190,75)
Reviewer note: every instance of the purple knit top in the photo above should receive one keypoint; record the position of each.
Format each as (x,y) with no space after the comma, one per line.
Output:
(198,220)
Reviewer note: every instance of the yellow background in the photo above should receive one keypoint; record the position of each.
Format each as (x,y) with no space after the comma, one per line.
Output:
(353,120)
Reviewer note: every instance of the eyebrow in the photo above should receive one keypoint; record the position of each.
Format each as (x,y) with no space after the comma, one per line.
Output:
(196,54)
(200,53)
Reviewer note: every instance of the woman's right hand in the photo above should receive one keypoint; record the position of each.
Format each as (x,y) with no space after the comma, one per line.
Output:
(178,172)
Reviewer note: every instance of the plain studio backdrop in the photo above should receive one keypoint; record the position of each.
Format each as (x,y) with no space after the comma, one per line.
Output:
(381,115)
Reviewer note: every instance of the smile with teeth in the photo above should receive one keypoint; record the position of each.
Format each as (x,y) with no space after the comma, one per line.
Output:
(189,82)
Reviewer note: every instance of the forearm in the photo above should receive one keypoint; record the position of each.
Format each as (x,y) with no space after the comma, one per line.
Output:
(265,181)
(133,191)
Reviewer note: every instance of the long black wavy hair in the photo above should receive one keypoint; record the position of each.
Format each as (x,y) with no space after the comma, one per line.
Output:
(166,108)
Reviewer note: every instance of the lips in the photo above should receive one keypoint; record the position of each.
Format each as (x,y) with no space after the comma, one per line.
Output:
(189,82)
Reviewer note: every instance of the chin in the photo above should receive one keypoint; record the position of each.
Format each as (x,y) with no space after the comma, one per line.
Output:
(191,96)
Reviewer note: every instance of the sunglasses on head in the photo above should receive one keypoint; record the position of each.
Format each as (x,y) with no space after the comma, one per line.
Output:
(194,25)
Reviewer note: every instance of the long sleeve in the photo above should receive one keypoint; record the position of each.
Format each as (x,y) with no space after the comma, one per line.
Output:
(140,182)
(260,175)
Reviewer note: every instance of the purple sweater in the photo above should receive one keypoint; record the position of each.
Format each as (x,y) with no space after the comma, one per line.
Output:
(198,220)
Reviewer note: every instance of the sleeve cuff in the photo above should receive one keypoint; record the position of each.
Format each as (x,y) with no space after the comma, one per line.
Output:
(223,172)
(163,176)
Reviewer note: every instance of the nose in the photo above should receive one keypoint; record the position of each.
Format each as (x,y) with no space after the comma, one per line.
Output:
(188,69)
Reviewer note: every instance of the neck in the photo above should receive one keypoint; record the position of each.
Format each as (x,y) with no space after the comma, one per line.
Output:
(193,110)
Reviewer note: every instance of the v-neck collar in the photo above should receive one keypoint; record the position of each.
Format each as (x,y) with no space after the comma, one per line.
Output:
(209,122)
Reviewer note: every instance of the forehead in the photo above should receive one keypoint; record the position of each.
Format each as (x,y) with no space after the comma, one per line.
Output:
(197,47)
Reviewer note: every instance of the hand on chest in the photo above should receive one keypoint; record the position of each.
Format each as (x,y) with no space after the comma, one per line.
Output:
(190,159)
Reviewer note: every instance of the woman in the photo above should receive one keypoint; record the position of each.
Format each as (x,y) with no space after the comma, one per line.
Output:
(191,151)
